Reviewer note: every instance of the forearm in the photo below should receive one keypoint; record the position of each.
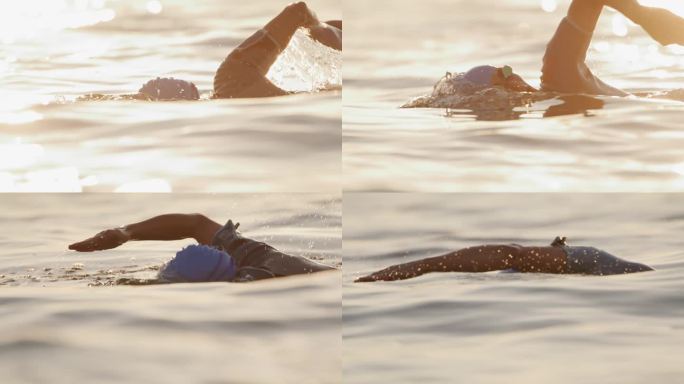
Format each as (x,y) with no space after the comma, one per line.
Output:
(397,272)
(474,259)
(585,14)
(647,17)
(630,8)
(293,17)
(482,258)
(173,227)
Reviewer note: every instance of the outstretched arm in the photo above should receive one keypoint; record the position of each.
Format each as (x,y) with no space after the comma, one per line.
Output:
(474,259)
(664,26)
(564,69)
(165,227)
(236,75)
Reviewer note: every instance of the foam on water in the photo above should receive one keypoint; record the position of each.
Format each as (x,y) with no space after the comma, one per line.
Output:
(307,66)
(454,91)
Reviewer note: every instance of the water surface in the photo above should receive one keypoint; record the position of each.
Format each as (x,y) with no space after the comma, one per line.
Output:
(63,322)
(509,327)
(605,144)
(54,52)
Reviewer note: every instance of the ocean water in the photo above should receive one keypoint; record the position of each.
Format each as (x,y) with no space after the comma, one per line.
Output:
(599,144)
(54,52)
(508,327)
(63,321)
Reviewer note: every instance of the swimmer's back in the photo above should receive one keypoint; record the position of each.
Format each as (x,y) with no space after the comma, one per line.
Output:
(593,261)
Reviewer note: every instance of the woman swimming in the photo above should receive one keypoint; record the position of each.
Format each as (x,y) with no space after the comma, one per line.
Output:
(243,73)
(564,68)
(223,254)
(558,258)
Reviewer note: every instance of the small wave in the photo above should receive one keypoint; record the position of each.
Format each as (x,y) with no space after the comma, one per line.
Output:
(304,66)
(125,275)
(675,94)
(456,92)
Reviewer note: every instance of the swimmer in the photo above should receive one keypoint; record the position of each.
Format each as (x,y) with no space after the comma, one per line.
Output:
(564,68)
(558,258)
(222,254)
(243,73)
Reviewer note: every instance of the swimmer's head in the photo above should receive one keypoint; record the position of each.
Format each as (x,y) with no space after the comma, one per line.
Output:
(484,75)
(169,89)
(489,76)
(199,263)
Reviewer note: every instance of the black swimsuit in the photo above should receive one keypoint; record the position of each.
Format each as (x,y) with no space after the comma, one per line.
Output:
(256,260)
(593,261)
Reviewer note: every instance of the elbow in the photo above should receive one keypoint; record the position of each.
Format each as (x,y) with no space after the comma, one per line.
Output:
(203,228)
(196,220)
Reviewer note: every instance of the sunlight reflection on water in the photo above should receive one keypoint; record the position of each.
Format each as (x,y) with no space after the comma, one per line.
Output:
(115,144)
(29,19)
(494,312)
(618,144)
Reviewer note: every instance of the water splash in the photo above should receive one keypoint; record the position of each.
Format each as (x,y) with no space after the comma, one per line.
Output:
(126,275)
(307,66)
(454,91)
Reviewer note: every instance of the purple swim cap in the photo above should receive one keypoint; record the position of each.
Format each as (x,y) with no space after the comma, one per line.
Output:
(199,263)
(482,75)
(486,74)
(169,89)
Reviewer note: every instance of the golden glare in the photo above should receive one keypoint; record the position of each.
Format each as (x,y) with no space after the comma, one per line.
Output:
(549,5)
(29,18)
(18,154)
(155,7)
(15,108)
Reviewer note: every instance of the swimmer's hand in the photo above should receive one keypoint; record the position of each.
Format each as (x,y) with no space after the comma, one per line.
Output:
(366,279)
(107,239)
(322,32)
(327,35)
(301,12)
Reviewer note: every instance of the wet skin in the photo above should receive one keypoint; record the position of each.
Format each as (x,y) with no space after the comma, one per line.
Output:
(243,73)
(205,231)
(573,76)
(485,258)
(173,226)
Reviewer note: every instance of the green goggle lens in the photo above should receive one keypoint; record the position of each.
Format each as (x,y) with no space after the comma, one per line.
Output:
(507,71)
